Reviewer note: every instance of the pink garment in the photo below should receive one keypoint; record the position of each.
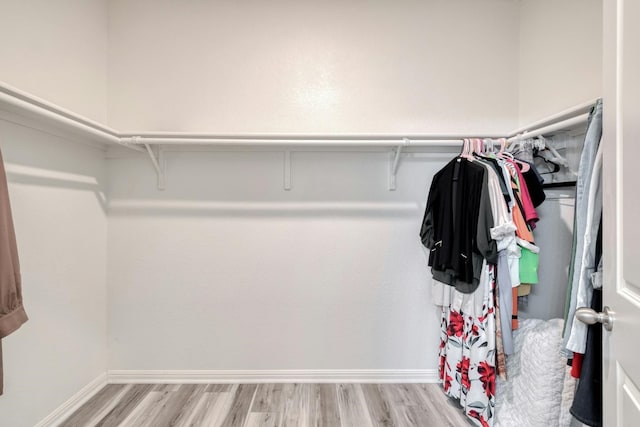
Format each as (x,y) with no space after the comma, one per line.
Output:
(529,211)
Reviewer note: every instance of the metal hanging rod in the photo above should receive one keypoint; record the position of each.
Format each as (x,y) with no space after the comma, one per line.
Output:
(564,119)
(25,102)
(558,118)
(295,142)
(13,95)
(564,124)
(13,99)
(294,136)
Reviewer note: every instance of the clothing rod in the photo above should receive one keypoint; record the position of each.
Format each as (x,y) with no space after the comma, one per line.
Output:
(25,102)
(50,115)
(558,117)
(46,105)
(311,136)
(350,140)
(295,142)
(565,124)
(17,99)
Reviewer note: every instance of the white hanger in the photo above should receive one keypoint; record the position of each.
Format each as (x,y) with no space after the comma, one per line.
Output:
(465,148)
(503,144)
(477,145)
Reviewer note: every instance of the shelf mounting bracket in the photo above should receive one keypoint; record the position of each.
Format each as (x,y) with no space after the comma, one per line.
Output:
(157,160)
(287,170)
(394,163)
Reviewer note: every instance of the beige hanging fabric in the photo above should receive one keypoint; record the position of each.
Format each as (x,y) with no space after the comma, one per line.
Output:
(12,314)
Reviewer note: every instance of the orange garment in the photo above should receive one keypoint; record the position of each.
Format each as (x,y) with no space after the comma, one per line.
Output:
(522,228)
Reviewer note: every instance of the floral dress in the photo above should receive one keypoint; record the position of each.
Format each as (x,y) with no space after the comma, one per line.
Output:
(467,352)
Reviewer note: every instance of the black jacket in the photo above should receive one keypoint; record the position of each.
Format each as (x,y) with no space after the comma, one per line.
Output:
(457,223)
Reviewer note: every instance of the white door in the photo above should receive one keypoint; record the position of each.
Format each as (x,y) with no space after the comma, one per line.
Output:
(621,227)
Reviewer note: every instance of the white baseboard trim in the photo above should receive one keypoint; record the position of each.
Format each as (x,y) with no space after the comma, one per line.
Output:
(63,411)
(274,376)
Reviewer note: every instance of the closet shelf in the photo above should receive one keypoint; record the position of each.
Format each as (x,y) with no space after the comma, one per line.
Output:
(15,101)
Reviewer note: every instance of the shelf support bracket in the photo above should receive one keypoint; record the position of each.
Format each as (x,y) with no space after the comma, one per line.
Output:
(287,170)
(157,161)
(394,163)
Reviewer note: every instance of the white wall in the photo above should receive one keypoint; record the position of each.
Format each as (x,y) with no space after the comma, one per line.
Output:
(226,270)
(57,191)
(560,61)
(57,51)
(318,66)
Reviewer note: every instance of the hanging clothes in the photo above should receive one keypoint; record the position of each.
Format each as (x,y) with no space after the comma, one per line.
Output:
(578,334)
(585,172)
(523,151)
(587,403)
(534,182)
(467,368)
(503,232)
(12,313)
(477,222)
(524,258)
(457,225)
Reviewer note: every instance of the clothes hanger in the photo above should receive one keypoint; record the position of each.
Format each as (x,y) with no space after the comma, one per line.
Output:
(503,144)
(507,153)
(554,161)
(557,158)
(487,147)
(540,143)
(523,166)
(465,153)
(477,146)
(556,167)
(517,144)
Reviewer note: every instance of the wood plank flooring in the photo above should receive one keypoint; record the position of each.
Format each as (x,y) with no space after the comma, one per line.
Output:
(268,405)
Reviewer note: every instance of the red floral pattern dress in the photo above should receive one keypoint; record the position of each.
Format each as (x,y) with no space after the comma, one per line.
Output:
(468,349)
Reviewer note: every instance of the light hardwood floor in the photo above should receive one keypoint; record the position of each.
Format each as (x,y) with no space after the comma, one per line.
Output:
(269,405)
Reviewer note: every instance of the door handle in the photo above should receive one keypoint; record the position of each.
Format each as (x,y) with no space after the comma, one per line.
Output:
(590,317)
